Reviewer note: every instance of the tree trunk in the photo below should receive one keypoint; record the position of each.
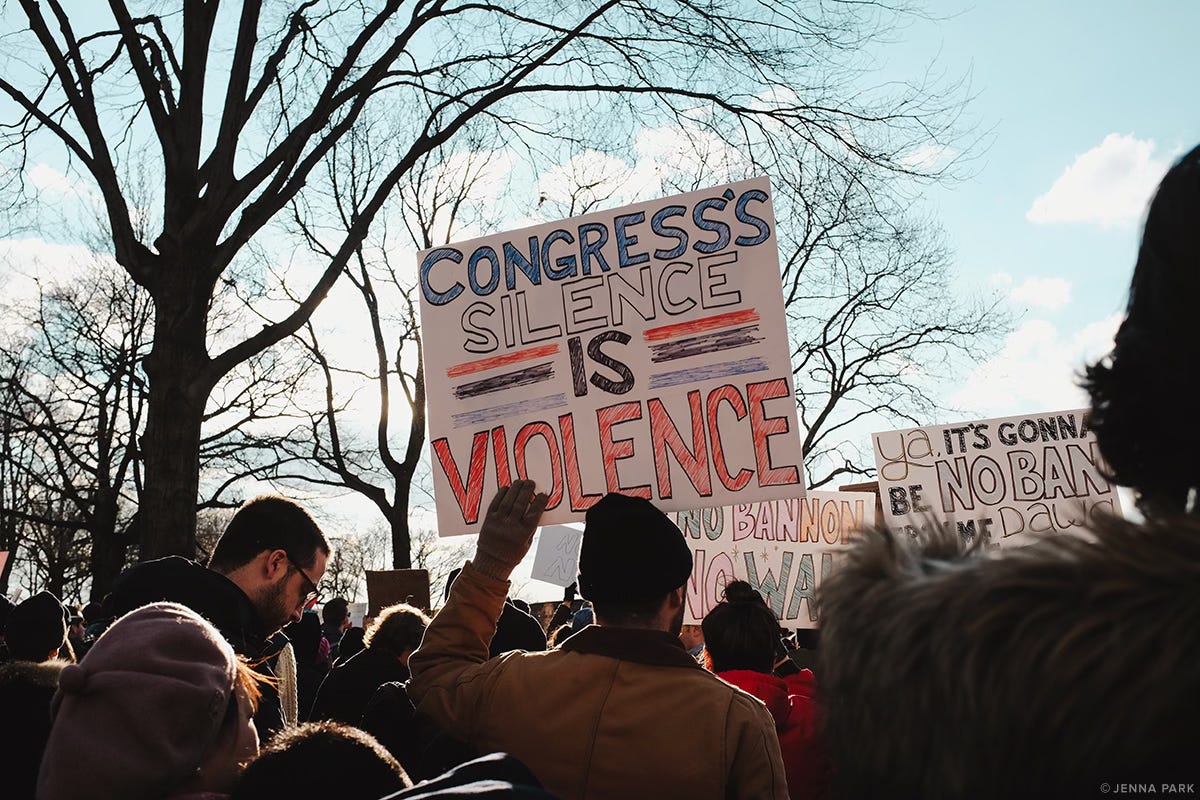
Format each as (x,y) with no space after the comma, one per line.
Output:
(401,536)
(108,559)
(171,454)
(178,391)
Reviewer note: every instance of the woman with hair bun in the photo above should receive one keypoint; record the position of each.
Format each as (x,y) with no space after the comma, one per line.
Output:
(741,636)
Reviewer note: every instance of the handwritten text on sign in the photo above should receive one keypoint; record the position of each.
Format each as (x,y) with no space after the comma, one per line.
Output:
(557,557)
(1000,479)
(641,350)
(783,548)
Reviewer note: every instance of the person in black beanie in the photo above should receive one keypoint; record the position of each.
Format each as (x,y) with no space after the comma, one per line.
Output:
(621,697)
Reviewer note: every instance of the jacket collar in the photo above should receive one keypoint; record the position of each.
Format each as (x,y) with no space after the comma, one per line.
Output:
(657,648)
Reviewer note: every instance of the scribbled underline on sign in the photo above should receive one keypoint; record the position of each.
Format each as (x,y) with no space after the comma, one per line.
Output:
(508,409)
(697,374)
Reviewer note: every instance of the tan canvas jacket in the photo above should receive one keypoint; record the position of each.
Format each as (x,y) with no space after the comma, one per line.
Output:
(616,713)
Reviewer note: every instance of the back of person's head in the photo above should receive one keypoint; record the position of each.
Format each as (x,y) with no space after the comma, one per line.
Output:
(397,630)
(740,632)
(335,612)
(351,644)
(269,522)
(92,612)
(36,629)
(1041,671)
(160,705)
(305,636)
(320,760)
(1146,385)
(624,589)
(559,635)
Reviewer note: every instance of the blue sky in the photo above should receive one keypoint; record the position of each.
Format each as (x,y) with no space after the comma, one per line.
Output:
(1097,94)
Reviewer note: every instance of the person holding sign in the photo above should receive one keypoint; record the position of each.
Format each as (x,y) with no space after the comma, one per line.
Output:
(621,701)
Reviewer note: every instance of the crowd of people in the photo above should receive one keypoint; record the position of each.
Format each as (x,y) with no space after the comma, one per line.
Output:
(1067,668)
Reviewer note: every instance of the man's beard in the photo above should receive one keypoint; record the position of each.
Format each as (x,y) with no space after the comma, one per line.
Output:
(677,620)
(272,605)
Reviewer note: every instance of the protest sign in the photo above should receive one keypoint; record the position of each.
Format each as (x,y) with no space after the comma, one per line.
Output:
(557,558)
(1004,480)
(783,548)
(642,350)
(391,586)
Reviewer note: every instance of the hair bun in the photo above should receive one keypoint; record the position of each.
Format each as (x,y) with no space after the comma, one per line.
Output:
(742,592)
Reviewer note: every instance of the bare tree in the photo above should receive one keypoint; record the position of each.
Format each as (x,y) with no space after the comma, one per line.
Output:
(299,75)
(75,392)
(876,320)
(382,462)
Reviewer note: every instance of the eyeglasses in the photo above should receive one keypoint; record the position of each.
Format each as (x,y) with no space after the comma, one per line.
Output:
(313,596)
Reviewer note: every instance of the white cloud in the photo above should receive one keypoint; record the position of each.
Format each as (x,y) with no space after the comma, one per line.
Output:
(1047,293)
(25,262)
(1108,185)
(929,156)
(1037,369)
(46,178)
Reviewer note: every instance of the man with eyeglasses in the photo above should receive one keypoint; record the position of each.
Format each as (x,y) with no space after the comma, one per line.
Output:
(263,573)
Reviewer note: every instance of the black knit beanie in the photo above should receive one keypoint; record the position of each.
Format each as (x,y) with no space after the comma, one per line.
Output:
(36,627)
(631,551)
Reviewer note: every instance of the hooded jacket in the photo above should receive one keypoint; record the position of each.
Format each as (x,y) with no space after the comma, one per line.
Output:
(790,701)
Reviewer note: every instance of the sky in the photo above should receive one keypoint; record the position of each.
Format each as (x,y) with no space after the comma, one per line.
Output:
(1084,105)
(1079,108)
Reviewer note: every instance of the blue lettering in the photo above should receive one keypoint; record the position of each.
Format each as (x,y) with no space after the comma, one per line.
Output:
(588,249)
(484,253)
(670,231)
(627,240)
(433,296)
(715,226)
(745,216)
(566,265)
(529,266)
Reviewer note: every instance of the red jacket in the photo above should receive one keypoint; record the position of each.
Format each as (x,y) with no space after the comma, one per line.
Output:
(790,701)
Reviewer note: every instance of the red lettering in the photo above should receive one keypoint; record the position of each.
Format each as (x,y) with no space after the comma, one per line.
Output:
(579,500)
(544,430)
(613,451)
(729,395)
(665,435)
(763,427)
(500,451)
(470,495)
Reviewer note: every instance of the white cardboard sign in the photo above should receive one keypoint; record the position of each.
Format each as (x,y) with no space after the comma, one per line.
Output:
(557,558)
(642,350)
(1006,480)
(783,548)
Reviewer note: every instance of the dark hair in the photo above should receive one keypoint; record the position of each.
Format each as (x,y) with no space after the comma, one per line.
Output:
(336,611)
(1041,671)
(740,632)
(559,635)
(269,522)
(1142,390)
(296,764)
(350,645)
(397,628)
(638,611)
